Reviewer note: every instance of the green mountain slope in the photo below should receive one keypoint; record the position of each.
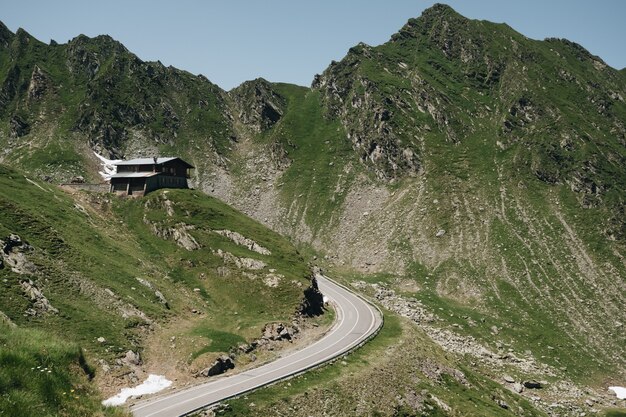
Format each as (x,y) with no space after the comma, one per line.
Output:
(555,108)
(486,180)
(93,94)
(114,276)
(469,171)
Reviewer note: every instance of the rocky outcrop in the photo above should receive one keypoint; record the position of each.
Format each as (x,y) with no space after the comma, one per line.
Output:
(158,294)
(132,358)
(38,84)
(106,299)
(273,279)
(241,263)
(367,117)
(259,106)
(40,304)
(241,240)
(18,127)
(221,365)
(179,233)
(279,331)
(313,301)
(14,254)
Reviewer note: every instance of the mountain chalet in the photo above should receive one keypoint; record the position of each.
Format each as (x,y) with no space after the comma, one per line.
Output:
(142,175)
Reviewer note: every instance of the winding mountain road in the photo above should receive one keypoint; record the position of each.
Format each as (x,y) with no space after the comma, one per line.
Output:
(356,321)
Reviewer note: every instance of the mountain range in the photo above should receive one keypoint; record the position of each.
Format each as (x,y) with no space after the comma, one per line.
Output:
(470,179)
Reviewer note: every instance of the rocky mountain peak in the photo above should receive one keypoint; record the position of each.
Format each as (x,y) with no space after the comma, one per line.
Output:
(104,44)
(5,36)
(440,10)
(260,106)
(437,17)
(22,38)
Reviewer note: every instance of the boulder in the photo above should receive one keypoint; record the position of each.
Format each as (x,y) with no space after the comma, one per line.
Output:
(162,298)
(532,384)
(132,358)
(221,365)
(502,404)
(279,331)
(517,387)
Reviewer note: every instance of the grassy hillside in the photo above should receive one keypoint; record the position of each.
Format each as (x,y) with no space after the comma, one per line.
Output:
(459,172)
(65,100)
(486,181)
(363,383)
(45,376)
(136,273)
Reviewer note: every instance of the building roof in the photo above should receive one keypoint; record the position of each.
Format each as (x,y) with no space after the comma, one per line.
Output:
(135,174)
(150,161)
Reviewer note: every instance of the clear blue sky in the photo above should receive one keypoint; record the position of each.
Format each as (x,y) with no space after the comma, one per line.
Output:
(230,41)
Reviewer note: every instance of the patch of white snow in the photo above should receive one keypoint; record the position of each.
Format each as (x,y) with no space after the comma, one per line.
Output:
(619,391)
(108,167)
(154,383)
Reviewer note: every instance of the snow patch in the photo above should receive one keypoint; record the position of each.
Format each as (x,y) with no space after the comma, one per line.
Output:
(154,383)
(619,391)
(108,166)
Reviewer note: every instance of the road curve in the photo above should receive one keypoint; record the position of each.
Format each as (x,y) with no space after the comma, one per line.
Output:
(356,321)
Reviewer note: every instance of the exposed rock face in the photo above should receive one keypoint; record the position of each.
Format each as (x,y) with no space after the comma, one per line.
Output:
(106,299)
(259,105)
(272,280)
(41,305)
(241,263)
(18,127)
(14,253)
(313,302)
(38,84)
(368,119)
(179,233)
(241,240)
(157,293)
(221,365)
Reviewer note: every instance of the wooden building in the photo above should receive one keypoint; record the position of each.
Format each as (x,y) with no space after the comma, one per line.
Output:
(142,175)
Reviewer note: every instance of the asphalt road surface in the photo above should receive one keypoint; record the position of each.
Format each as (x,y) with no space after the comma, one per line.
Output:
(356,321)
